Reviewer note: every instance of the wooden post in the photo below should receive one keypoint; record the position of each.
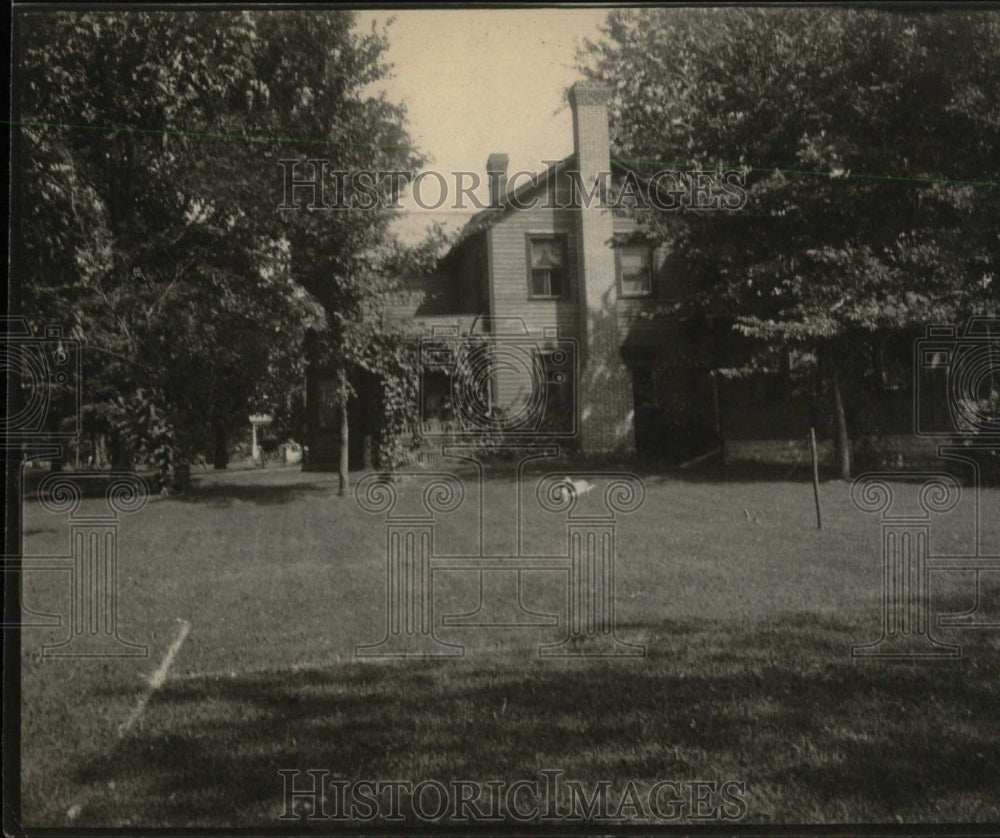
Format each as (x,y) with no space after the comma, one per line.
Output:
(843,440)
(344,432)
(815,459)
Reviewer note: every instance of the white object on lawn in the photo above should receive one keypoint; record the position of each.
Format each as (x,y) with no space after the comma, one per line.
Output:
(578,487)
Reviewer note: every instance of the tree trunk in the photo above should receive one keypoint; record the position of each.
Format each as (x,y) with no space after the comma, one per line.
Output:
(815,460)
(101,458)
(221,457)
(367,458)
(121,456)
(843,440)
(344,432)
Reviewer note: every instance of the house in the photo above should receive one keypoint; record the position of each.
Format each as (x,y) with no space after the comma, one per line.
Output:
(544,270)
(560,307)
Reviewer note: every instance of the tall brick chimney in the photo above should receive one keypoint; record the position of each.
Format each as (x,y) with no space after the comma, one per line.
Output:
(604,400)
(496,171)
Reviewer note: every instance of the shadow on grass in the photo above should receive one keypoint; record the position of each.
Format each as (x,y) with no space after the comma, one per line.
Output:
(30,531)
(225,494)
(778,706)
(750,472)
(92,483)
(747,473)
(653,471)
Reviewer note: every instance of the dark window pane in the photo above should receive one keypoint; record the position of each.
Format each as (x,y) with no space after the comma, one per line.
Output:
(635,267)
(548,260)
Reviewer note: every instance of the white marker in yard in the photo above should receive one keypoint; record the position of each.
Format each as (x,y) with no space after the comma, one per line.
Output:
(578,487)
(156,680)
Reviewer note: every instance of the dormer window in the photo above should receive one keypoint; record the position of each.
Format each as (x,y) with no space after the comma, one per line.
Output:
(635,270)
(547,274)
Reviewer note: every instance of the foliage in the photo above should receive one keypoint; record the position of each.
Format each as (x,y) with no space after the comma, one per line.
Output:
(870,143)
(153,437)
(148,186)
(978,436)
(374,347)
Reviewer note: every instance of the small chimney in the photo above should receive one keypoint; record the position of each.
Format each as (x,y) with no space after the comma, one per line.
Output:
(496,171)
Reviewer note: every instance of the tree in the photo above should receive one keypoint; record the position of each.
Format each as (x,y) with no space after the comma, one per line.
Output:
(870,142)
(362,342)
(344,258)
(149,181)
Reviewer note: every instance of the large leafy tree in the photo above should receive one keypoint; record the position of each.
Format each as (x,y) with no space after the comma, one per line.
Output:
(148,186)
(345,258)
(870,140)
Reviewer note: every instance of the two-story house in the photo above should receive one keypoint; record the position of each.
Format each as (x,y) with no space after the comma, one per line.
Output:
(548,272)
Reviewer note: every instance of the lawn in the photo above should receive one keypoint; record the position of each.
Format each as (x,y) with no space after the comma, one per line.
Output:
(746,611)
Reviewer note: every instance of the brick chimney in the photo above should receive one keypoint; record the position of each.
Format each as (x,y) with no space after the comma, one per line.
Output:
(496,171)
(604,400)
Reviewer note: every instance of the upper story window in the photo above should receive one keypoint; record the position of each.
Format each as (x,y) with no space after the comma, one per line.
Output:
(547,267)
(635,270)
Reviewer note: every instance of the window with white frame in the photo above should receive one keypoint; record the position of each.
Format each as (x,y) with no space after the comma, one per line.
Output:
(547,272)
(635,270)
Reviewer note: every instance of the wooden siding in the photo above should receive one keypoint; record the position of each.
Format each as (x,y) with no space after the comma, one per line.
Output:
(509,264)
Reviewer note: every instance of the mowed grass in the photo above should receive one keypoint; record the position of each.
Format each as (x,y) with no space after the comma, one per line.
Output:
(746,611)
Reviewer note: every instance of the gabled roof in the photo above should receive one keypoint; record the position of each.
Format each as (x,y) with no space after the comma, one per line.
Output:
(489,216)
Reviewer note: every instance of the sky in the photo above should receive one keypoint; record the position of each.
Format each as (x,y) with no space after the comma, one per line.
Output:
(477,81)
